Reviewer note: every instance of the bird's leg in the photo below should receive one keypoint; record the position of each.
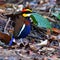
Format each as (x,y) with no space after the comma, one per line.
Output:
(20,41)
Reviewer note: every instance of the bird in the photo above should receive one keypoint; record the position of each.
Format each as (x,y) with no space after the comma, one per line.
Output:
(22,26)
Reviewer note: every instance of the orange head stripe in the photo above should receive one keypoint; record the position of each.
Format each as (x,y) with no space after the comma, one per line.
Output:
(24,10)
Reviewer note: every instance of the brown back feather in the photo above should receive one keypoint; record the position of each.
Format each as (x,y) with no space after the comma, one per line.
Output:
(18,24)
